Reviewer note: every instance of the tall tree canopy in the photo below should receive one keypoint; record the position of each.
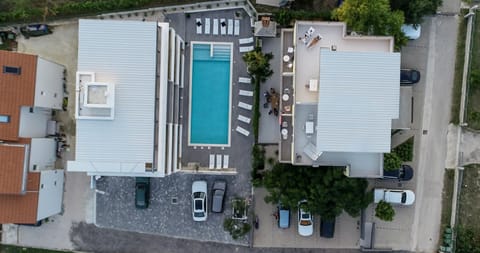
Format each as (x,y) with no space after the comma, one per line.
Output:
(327,190)
(414,10)
(372,17)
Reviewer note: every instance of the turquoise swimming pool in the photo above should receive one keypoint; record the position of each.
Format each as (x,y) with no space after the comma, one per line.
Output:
(210,94)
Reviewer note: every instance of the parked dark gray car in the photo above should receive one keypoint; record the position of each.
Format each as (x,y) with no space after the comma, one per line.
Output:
(142,192)
(404,173)
(327,228)
(409,77)
(218,195)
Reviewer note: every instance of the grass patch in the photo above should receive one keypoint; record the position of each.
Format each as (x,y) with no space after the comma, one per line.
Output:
(468,229)
(473,105)
(469,199)
(459,62)
(15,249)
(405,150)
(447,195)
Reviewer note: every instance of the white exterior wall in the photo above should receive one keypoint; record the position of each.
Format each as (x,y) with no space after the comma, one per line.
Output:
(49,84)
(34,124)
(42,154)
(162,112)
(50,194)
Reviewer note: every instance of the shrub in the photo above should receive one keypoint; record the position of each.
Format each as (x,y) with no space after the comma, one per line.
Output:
(405,150)
(384,211)
(236,228)
(391,161)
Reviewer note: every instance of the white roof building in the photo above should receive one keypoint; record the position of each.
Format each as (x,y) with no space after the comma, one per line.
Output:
(122,71)
(346,92)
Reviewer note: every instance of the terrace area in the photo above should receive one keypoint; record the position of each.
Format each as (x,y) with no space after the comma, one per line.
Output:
(314,104)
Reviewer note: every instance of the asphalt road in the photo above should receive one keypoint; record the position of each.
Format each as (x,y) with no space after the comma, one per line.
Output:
(89,238)
(432,132)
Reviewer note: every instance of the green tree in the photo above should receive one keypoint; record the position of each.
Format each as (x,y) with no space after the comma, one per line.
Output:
(414,10)
(372,17)
(258,64)
(391,161)
(384,211)
(327,190)
(284,17)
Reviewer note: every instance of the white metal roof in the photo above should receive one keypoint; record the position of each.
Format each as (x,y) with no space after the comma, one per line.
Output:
(122,53)
(358,98)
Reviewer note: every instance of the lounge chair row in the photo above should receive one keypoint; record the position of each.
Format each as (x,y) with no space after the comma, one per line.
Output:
(218,164)
(226,27)
(244,80)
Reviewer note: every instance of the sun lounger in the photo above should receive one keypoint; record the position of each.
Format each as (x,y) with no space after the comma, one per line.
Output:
(246,93)
(244,119)
(215,26)
(242,131)
(237,27)
(246,49)
(223,26)
(212,162)
(245,40)
(230,27)
(207,25)
(244,80)
(225,161)
(198,24)
(219,162)
(245,106)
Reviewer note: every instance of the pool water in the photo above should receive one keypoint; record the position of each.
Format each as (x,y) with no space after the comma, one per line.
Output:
(210,94)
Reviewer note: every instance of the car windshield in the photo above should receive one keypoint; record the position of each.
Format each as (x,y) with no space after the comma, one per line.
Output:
(199,214)
(305,216)
(198,195)
(198,204)
(404,197)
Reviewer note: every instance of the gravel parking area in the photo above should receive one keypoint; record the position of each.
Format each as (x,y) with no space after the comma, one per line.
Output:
(116,209)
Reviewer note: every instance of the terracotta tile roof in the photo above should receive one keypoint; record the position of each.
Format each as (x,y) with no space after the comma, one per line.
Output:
(21,209)
(12,168)
(15,90)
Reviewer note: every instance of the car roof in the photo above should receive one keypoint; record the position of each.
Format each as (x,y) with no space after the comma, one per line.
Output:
(412,31)
(284,219)
(327,228)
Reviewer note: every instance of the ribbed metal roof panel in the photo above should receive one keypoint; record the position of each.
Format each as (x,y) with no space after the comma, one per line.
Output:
(359,96)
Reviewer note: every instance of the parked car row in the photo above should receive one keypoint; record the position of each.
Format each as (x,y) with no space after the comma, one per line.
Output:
(305,221)
(199,196)
(200,202)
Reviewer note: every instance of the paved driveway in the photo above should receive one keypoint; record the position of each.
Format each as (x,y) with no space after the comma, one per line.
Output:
(116,209)
(430,146)
(89,238)
(347,231)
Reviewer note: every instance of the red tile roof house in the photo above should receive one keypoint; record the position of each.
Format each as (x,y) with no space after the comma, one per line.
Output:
(31,189)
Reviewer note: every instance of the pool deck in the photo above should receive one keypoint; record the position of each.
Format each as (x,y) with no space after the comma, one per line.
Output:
(240,145)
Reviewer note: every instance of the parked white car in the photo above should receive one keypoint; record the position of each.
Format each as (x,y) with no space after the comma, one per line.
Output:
(199,201)
(412,32)
(305,220)
(401,197)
